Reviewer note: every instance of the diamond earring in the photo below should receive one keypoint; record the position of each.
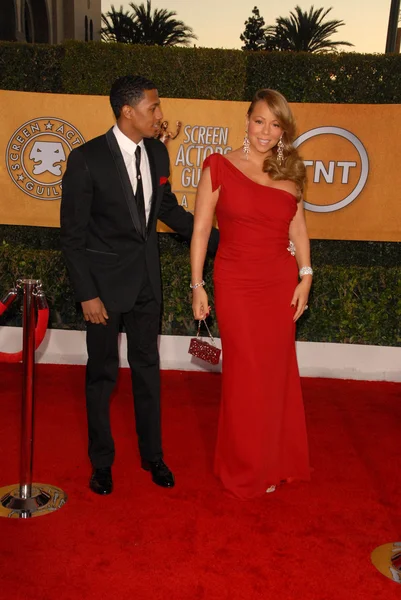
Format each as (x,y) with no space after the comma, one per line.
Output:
(246,146)
(280,152)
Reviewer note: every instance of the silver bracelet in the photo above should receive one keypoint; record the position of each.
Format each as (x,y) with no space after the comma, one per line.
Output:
(196,285)
(305,271)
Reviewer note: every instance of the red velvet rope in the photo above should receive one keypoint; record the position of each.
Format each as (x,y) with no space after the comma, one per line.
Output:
(40,331)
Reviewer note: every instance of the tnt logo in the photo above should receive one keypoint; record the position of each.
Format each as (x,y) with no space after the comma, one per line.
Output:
(37,153)
(337,167)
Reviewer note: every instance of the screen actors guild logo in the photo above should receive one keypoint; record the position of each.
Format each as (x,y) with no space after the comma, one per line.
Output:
(164,135)
(37,153)
(47,155)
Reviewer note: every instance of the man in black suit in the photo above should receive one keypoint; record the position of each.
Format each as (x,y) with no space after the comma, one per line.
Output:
(114,190)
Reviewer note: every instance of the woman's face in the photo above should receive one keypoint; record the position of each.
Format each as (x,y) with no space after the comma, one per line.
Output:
(264,130)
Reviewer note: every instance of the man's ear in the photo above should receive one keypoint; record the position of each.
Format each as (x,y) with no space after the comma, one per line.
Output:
(127,111)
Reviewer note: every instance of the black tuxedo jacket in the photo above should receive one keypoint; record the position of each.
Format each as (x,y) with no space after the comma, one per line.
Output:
(105,252)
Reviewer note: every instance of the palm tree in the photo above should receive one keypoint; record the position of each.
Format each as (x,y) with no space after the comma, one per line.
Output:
(306,32)
(118,26)
(142,27)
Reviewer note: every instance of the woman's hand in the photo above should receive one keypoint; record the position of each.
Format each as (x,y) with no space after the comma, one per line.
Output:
(200,304)
(300,297)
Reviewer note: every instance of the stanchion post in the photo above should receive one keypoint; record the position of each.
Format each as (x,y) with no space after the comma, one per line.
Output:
(29,499)
(27,413)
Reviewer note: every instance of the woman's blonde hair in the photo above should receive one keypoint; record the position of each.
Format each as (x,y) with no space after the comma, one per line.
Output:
(292,167)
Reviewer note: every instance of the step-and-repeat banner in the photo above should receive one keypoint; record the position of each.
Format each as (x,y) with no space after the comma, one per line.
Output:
(352,154)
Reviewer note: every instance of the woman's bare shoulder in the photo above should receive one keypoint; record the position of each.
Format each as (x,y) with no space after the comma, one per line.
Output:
(235,156)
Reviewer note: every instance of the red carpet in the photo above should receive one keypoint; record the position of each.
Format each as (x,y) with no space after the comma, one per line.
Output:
(310,541)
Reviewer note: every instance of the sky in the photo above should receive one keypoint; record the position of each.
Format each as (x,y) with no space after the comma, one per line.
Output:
(219,23)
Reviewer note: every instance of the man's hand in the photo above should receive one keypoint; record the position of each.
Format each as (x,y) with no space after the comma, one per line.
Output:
(95,311)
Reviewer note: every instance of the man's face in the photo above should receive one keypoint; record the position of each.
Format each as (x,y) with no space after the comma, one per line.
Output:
(144,118)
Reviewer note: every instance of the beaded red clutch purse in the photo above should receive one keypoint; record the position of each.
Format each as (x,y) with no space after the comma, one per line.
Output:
(201,349)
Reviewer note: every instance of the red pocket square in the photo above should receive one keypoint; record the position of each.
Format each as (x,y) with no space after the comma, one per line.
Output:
(163,180)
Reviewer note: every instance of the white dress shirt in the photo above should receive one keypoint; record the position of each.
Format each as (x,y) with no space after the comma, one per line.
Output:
(128,148)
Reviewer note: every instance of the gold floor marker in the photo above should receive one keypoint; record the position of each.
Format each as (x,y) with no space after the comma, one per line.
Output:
(42,500)
(387,560)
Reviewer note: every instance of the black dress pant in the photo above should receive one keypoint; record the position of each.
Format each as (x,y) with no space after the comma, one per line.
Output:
(142,327)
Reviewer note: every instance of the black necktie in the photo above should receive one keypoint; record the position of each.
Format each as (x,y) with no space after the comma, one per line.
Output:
(139,197)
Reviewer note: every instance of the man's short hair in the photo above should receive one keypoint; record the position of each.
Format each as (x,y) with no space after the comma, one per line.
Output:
(128,90)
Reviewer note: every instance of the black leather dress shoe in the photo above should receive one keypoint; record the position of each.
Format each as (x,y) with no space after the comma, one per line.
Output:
(101,481)
(161,474)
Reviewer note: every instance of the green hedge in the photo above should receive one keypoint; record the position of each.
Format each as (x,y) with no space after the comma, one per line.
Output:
(90,68)
(354,304)
(30,67)
(178,72)
(338,78)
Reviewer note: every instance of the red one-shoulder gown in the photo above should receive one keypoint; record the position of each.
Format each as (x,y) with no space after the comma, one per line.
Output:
(262,437)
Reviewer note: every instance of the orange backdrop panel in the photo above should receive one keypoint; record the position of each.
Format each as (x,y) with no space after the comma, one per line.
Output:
(351,152)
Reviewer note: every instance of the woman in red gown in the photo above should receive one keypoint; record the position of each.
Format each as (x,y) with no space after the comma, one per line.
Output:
(256,193)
